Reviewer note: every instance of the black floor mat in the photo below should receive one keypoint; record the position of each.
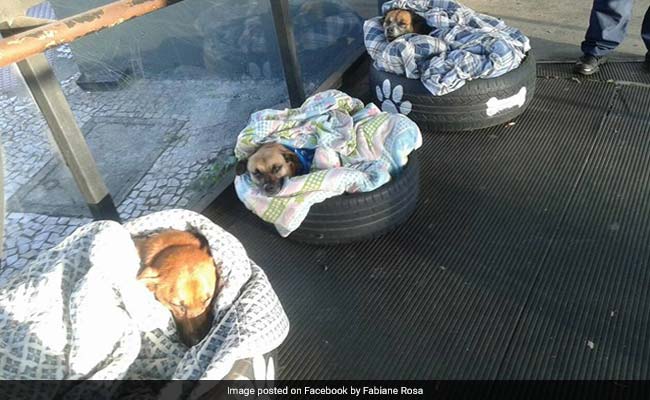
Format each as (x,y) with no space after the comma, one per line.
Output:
(526,238)
(614,72)
(588,315)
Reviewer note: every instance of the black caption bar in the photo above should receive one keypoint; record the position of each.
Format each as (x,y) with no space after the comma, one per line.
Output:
(253,390)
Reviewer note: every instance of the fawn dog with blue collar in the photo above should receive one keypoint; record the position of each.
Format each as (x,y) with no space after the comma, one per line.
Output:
(178,268)
(272,163)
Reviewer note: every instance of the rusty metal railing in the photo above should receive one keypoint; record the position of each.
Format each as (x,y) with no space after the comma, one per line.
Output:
(36,40)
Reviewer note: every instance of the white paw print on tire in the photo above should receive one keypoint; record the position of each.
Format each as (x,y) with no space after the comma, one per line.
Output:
(391,100)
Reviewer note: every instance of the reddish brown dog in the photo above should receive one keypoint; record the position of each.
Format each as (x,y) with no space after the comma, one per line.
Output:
(399,22)
(179,270)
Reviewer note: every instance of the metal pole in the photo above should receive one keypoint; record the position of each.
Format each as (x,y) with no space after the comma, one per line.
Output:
(288,52)
(72,145)
(37,40)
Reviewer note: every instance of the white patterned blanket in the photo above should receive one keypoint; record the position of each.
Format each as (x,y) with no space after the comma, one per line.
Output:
(77,311)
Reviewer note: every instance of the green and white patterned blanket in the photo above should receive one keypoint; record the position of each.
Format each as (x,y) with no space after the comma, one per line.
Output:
(357,148)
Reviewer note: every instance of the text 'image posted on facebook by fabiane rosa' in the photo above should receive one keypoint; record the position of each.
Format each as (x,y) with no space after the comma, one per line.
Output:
(327,390)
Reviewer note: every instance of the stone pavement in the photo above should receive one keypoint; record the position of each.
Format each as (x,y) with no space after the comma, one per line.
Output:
(556,28)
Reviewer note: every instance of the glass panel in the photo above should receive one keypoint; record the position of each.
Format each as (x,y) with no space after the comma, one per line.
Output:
(329,36)
(29,152)
(160,100)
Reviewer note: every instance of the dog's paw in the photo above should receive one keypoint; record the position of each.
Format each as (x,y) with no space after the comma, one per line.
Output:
(391,99)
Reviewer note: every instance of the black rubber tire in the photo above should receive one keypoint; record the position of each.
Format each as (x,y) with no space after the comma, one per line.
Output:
(466,108)
(360,216)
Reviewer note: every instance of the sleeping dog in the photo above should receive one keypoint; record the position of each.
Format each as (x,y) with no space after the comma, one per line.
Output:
(178,268)
(272,163)
(399,22)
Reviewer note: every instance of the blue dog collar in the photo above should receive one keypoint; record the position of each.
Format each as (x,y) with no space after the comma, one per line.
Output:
(305,156)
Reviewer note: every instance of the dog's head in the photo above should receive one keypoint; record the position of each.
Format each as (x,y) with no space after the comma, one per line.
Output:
(399,22)
(270,165)
(178,268)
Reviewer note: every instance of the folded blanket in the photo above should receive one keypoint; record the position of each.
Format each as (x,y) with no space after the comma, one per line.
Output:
(357,148)
(462,46)
(77,311)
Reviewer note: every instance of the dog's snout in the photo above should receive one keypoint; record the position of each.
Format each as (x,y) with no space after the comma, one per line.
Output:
(192,330)
(392,32)
(273,188)
(191,341)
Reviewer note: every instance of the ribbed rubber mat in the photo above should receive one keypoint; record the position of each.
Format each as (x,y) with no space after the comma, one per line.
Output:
(613,71)
(441,296)
(589,314)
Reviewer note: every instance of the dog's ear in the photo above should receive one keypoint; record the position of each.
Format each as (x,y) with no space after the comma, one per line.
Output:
(141,245)
(420,24)
(241,167)
(203,241)
(292,159)
(150,277)
(148,249)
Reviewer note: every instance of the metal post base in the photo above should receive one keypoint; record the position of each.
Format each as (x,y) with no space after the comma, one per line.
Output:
(105,210)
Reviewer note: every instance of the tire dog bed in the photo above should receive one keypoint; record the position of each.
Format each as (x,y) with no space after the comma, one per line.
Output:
(470,71)
(480,103)
(356,148)
(358,216)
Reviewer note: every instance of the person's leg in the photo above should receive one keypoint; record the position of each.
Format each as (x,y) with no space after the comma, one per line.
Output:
(607,26)
(645,35)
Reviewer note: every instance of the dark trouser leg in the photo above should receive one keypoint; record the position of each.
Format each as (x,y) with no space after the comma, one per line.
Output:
(607,26)
(645,32)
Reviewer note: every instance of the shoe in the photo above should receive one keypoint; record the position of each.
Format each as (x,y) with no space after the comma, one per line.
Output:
(588,64)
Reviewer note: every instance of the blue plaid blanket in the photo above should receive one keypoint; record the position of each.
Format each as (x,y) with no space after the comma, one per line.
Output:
(462,46)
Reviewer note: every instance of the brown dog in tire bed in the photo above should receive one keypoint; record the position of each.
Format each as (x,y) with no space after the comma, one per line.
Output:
(471,71)
(332,171)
